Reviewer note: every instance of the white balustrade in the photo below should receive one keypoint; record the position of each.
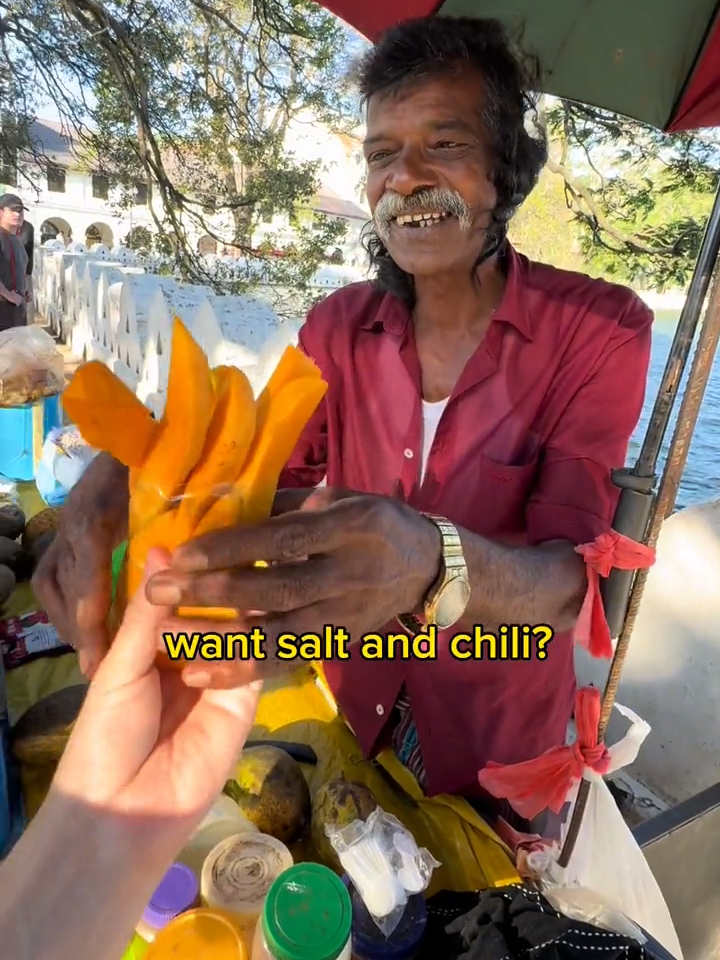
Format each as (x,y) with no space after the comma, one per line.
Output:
(109,305)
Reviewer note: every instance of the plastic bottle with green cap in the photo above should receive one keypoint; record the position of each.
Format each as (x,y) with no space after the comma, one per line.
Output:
(307,915)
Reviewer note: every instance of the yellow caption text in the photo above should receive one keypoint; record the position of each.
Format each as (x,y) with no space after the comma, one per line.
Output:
(513,641)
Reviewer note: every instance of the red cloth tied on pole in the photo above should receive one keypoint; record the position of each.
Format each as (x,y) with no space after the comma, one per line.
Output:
(545,782)
(610,549)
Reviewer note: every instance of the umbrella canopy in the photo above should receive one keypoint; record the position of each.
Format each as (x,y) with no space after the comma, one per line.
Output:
(654,60)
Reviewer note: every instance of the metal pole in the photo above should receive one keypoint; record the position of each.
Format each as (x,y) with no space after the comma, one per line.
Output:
(662,507)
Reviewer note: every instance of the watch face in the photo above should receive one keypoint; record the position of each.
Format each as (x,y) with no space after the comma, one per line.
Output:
(451,602)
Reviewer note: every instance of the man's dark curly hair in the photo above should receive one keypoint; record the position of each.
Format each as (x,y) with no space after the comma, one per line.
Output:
(436,46)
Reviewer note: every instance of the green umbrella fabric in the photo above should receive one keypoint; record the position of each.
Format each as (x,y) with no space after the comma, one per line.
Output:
(657,61)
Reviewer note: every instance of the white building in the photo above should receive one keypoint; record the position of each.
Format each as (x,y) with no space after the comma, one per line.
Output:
(62,198)
(68,201)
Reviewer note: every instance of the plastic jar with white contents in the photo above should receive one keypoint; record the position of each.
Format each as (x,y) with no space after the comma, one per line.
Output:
(238,873)
(177,892)
(222,821)
(307,915)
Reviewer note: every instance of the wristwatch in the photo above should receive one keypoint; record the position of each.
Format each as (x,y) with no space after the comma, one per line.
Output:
(448,597)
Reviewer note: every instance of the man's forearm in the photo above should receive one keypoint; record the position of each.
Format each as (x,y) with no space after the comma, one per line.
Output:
(527,585)
(524,585)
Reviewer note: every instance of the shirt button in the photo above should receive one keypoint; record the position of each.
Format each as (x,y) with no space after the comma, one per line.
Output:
(408,453)
(380,710)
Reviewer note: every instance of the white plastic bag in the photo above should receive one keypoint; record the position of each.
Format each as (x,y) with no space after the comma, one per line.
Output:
(606,861)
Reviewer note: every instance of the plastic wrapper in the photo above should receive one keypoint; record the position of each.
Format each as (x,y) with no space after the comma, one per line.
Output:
(24,639)
(212,461)
(65,457)
(31,366)
(385,865)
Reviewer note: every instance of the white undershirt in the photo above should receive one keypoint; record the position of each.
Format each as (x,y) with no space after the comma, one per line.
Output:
(431,418)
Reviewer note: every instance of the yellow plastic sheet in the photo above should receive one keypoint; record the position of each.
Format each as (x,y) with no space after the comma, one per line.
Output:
(471,854)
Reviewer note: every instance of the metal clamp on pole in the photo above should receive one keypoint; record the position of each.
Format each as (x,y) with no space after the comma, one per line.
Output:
(631,520)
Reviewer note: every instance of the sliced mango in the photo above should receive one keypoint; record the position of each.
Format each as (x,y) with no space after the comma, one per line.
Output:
(226,448)
(96,398)
(185,424)
(213,437)
(278,431)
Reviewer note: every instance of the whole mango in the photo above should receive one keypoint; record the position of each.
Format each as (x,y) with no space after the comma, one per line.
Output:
(337,804)
(272,792)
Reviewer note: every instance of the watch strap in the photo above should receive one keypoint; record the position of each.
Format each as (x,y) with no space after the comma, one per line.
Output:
(452,563)
(410,622)
(453,557)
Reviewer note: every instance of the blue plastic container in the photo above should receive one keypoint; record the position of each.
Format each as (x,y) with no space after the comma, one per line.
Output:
(369,943)
(22,434)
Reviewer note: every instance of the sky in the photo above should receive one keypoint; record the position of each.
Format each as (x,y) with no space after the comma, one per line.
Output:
(48,111)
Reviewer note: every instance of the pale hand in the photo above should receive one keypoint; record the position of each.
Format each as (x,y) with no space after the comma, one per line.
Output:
(146,746)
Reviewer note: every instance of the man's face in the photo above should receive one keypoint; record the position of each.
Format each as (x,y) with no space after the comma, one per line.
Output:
(11,219)
(425,151)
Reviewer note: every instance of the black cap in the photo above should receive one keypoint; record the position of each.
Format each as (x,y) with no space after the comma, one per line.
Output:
(9,201)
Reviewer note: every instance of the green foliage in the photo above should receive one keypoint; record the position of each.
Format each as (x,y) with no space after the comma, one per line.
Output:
(193,99)
(544,229)
(639,198)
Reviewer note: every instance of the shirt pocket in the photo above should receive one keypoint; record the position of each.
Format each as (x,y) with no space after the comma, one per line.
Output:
(502,493)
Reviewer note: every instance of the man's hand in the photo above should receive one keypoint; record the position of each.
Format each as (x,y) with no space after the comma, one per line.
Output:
(12,296)
(73,579)
(354,564)
(313,498)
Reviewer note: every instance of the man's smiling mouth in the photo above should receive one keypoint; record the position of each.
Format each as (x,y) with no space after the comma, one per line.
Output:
(414,220)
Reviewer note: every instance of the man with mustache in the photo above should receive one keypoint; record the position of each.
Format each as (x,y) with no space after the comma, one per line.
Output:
(477,404)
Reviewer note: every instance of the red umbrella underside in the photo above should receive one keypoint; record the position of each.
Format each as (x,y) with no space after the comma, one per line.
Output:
(654,60)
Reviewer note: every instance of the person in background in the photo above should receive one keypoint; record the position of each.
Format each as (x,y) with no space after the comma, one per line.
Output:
(13,264)
(477,405)
(26,233)
(146,760)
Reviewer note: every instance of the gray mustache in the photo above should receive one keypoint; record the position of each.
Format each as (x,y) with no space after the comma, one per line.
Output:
(392,205)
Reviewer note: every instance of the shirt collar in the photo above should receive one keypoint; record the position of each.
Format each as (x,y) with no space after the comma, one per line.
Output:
(393,315)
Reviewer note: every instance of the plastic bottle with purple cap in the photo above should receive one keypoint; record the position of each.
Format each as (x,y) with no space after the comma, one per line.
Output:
(177,892)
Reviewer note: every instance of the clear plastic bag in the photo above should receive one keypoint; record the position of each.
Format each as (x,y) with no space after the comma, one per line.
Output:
(385,865)
(65,457)
(608,881)
(31,366)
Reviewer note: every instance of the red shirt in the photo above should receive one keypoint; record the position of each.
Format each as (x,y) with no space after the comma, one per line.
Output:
(522,454)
